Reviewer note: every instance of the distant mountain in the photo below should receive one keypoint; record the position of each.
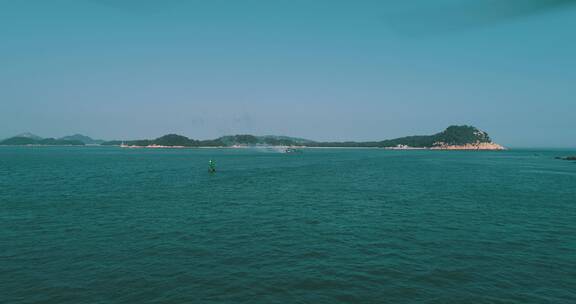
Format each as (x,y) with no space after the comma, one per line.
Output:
(83,138)
(18,141)
(29,135)
(32,139)
(25,141)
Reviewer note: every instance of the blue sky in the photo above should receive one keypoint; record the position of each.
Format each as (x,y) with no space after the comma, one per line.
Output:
(325,70)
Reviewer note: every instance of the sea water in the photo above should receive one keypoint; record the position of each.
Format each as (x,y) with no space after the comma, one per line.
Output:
(111,225)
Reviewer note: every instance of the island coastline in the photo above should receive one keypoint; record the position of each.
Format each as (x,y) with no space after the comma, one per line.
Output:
(452,138)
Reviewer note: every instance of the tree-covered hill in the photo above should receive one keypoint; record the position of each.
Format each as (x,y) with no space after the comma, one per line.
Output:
(453,135)
(83,138)
(170,140)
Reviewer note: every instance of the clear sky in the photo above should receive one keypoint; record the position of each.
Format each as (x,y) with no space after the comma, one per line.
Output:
(323,69)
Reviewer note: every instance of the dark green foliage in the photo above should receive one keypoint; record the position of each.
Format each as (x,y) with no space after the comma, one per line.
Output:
(174,140)
(460,135)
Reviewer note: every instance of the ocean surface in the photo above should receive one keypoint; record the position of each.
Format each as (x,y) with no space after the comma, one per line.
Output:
(110,225)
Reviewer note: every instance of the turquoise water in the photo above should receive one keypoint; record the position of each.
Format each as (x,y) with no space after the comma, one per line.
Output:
(110,225)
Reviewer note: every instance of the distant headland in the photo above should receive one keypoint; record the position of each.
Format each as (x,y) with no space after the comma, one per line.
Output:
(453,138)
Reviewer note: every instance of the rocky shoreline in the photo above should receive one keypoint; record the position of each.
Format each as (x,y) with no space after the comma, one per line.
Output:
(475,146)
(484,146)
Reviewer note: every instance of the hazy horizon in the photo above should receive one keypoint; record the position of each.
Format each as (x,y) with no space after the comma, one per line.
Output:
(326,71)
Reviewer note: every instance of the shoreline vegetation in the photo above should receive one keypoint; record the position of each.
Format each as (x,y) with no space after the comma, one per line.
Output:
(453,138)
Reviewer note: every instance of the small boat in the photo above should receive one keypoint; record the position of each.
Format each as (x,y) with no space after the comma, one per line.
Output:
(292,150)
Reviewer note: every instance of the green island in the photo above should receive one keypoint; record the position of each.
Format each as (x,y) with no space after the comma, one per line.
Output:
(454,137)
